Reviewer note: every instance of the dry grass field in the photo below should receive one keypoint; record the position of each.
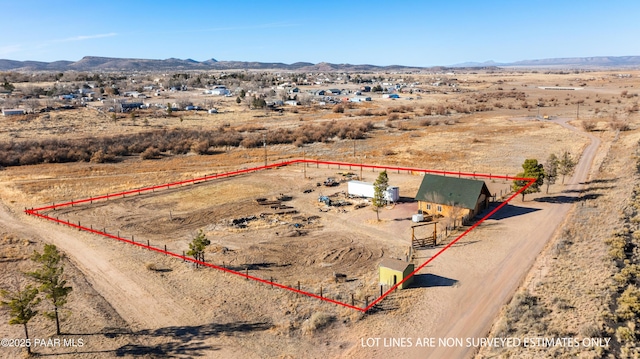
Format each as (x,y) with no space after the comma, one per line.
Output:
(131,302)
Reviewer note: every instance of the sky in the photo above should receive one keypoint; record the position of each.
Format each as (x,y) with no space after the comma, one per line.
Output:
(411,33)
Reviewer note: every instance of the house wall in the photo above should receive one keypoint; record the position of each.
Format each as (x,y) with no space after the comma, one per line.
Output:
(445,212)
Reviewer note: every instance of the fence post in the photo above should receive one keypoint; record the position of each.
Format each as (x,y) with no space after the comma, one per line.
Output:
(352,301)
(247,273)
(165,250)
(321,292)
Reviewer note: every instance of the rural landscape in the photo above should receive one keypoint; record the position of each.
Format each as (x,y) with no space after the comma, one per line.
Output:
(248,213)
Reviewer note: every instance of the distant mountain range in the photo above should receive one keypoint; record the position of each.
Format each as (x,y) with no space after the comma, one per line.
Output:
(566,62)
(93,63)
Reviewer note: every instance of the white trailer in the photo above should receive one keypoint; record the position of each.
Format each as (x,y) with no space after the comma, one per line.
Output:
(365,189)
(360,189)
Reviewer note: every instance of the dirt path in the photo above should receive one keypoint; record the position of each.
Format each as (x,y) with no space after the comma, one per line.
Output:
(481,301)
(486,267)
(142,304)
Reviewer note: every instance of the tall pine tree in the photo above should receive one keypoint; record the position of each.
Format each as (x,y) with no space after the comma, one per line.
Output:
(379,189)
(532,169)
(50,278)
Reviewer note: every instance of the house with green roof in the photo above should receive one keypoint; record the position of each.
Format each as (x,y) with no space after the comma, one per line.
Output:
(452,197)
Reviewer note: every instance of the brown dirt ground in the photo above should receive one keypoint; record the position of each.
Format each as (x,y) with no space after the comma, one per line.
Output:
(180,311)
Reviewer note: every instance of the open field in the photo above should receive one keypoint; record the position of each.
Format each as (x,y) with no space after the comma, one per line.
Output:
(137,302)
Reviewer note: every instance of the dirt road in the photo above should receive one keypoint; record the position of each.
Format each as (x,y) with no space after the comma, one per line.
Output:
(480,302)
(134,299)
(484,278)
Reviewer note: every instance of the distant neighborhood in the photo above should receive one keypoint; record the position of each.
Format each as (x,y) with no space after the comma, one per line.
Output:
(113,92)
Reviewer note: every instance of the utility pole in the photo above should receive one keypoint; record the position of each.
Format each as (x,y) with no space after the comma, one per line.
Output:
(264,142)
(304,163)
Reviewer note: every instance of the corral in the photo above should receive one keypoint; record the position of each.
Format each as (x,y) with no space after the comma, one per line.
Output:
(278,235)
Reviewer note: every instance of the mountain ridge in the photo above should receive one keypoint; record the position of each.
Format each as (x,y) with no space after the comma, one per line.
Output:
(97,63)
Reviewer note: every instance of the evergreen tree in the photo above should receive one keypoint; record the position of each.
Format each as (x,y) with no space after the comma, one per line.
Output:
(197,246)
(52,283)
(566,164)
(550,171)
(379,189)
(21,304)
(532,169)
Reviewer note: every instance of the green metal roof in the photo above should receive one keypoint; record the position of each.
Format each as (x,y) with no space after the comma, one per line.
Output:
(462,192)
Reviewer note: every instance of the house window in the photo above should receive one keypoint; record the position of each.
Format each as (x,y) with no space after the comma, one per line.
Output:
(439,208)
(428,206)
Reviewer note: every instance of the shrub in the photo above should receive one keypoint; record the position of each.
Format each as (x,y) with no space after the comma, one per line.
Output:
(339,108)
(150,153)
(589,125)
(629,304)
(317,321)
(101,157)
(619,125)
(201,147)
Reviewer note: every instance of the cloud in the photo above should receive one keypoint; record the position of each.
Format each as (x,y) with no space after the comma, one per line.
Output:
(86,37)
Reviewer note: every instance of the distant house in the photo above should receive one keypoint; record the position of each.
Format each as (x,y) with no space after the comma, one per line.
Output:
(219,90)
(291,103)
(360,99)
(127,106)
(12,112)
(334,91)
(393,271)
(452,196)
(365,88)
(391,95)
(320,93)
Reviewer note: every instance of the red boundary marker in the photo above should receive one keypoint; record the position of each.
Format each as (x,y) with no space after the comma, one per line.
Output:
(36,212)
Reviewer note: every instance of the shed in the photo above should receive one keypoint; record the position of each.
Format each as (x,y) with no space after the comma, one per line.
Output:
(461,198)
(12,111)
(393,271)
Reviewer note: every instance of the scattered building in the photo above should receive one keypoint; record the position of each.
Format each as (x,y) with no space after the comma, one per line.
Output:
(12,112)
(461,198)
(219,90)
(360,99)
(128,106)
(393,271)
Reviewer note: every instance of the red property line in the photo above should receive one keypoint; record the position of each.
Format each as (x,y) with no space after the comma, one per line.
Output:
(36,212)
